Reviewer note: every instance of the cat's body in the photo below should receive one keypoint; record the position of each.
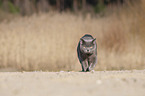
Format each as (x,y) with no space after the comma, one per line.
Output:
(87,52)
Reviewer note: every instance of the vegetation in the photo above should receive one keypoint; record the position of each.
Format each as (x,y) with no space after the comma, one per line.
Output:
(27,7)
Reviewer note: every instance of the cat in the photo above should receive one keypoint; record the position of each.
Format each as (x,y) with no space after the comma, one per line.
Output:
(87,52)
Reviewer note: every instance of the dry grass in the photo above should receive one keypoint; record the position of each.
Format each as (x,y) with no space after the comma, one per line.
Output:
(48,42)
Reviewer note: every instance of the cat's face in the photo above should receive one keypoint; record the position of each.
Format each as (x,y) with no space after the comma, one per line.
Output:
(87,46)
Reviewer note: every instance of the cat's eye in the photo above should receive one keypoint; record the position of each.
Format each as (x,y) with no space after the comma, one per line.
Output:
(91,47)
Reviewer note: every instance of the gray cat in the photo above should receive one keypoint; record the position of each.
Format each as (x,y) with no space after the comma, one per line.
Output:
(87,52)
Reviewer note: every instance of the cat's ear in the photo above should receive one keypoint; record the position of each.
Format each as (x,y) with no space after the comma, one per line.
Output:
(94,41)
(81,41)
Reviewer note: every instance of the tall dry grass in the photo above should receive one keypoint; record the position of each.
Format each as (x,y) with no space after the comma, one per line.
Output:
(48,42)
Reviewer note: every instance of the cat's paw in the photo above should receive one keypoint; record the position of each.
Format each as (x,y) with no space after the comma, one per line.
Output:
(92,71)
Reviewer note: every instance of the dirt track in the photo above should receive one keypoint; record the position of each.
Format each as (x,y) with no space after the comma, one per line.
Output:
(98,83)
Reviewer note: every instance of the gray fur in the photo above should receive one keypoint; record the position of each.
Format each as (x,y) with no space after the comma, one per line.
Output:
(87,52)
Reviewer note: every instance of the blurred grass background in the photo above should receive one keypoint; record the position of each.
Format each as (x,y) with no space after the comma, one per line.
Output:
(48,41)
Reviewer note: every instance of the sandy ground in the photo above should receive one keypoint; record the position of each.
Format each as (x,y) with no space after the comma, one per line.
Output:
(98,83)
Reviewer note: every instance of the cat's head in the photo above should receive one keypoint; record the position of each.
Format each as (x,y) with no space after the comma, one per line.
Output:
(88,46)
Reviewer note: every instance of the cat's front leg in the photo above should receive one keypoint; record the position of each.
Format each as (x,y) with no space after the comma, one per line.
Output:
(91,67)
(84,65)
(92,62)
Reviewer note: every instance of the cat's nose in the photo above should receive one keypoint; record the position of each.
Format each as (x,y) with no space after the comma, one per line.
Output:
(88,50)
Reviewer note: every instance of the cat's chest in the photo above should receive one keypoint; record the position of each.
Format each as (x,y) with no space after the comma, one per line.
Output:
(91,58)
